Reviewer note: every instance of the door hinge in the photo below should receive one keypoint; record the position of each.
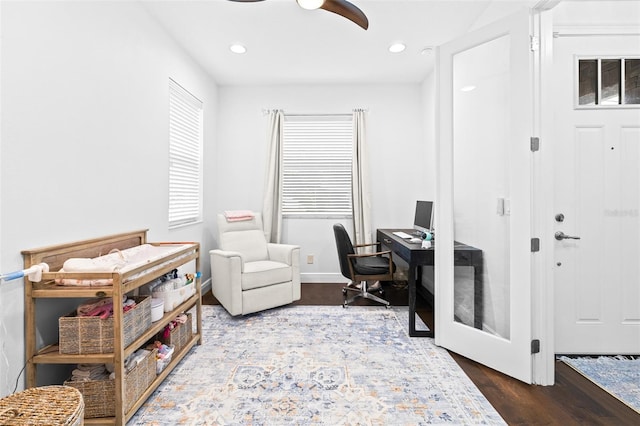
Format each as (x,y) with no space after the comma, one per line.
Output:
(535,245)
(535,144)
(534,43)
(535,346)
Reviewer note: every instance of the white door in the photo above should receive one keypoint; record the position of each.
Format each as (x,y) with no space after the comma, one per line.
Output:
(597,190)
(484,195)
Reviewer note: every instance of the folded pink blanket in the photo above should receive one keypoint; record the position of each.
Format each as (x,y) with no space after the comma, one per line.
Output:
(238,215)
(95,307)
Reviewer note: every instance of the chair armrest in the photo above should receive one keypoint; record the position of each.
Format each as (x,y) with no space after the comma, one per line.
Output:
(357,248)
(366,245)
(378,253)
(227,254)
(283,252)
(226,279)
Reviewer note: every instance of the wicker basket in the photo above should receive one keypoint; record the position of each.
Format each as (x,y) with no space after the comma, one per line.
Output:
(92,335)
(99,395)
(46,405)
(179,336)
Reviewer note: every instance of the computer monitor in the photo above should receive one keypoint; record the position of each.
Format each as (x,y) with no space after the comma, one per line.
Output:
(423,220)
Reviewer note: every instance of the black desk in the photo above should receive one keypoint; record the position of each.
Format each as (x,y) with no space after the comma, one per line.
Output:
(416,257)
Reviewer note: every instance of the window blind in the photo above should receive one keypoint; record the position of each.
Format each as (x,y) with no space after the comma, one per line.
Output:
(317,153)
(185,156)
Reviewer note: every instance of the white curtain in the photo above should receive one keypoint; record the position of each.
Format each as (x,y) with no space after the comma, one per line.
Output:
(272,204)
(360,181)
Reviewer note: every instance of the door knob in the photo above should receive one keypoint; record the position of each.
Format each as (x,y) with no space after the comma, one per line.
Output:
(562,236)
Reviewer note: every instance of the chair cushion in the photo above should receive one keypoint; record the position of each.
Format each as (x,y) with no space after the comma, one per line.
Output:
(264,273)
(373,265)
(251,243)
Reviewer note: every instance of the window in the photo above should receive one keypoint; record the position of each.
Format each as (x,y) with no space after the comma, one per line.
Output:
(317,153)
(608,82)
(185,156)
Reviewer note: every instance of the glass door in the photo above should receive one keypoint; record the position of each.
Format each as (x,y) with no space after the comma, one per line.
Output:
(483,234)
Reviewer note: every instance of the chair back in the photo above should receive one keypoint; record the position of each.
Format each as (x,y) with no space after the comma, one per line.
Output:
(244,236)
(345,248)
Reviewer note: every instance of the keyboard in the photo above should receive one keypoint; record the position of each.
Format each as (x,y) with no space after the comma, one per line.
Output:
(402,235)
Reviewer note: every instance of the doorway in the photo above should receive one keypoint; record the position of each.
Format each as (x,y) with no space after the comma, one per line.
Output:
(596,202)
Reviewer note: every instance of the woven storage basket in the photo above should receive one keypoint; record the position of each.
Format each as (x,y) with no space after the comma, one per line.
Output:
(139,379)
(92,335)
(46,405)
(179,336)
(99,395)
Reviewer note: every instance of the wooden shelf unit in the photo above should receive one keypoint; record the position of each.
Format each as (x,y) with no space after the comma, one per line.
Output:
(55,256)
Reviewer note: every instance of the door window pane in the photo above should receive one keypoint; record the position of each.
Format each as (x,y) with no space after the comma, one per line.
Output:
(610,72)
(608,82)
(632,81)
(588,82)
(481,137)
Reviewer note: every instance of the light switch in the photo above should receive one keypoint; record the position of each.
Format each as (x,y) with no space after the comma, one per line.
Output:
(500,206)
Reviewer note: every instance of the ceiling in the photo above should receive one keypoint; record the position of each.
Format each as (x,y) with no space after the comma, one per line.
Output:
(289,45)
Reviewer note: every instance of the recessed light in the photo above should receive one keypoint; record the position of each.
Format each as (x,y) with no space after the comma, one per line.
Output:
(397,47)
(310,4)
(237,48)
(467,88)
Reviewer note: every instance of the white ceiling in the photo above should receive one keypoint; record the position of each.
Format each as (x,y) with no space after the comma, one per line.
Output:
(289,45)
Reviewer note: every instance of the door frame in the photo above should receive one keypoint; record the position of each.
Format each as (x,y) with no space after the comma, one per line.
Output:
(542,270)
(543,267)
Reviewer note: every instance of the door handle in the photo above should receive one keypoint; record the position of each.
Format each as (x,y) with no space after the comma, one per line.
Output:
(562,236)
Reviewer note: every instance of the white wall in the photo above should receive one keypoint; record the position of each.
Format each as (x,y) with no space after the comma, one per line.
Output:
(429,118)
(397,149)
(85,139)
(592,13)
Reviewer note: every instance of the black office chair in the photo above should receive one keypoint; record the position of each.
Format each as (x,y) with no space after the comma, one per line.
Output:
(360,268)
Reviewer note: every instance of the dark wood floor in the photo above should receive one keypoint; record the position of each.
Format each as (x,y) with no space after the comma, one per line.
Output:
(573,400)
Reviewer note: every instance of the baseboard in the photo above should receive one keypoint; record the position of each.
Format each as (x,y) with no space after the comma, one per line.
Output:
(322,278)
(205,286)
(304,278)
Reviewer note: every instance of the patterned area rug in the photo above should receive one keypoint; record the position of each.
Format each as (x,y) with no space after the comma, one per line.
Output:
(617,375)
(322,365)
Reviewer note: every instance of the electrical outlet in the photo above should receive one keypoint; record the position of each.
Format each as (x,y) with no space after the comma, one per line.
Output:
(309,259)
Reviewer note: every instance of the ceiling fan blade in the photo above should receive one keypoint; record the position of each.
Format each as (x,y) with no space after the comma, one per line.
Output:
(348,10)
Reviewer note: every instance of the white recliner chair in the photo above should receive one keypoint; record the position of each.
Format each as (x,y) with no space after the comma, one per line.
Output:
(248,274)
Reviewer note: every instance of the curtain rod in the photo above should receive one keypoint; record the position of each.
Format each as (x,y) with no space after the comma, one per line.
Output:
(345,114)
(342,114)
